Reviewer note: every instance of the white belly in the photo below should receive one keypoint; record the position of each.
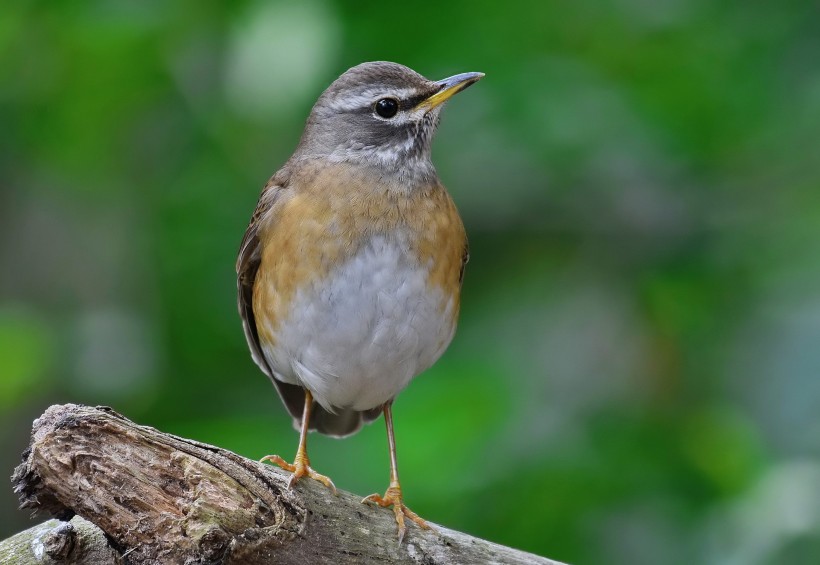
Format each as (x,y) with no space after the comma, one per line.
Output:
(356,338)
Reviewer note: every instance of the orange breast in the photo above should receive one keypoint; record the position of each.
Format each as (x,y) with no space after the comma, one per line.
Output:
(328,213)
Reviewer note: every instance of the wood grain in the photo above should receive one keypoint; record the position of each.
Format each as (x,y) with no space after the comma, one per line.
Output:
(164,499)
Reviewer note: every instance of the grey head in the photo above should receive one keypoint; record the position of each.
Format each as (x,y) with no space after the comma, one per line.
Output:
(382,115)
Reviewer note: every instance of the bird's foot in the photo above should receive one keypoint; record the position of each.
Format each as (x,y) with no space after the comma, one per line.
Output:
(393,497)
(300,468)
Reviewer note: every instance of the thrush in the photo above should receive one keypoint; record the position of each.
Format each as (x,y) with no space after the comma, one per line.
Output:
(349,274)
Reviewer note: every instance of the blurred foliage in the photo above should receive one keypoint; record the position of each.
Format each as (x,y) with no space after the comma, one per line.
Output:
(636,378)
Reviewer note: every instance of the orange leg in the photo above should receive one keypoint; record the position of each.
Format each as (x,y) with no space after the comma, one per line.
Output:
(393,497)
(301,465)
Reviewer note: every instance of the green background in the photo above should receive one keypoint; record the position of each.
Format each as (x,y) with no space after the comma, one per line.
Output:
(636,377)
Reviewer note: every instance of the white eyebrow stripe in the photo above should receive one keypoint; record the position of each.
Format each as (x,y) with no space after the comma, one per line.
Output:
(367,97)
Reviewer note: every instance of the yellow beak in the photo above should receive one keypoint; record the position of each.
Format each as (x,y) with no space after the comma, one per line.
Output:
(449,87)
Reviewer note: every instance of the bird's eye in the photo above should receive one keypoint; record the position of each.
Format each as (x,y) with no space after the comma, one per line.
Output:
(387,107)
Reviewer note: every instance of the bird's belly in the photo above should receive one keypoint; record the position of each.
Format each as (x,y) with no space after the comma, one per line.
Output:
(356,337)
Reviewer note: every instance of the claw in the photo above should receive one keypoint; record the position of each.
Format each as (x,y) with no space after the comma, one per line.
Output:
(393,497)
(300,468)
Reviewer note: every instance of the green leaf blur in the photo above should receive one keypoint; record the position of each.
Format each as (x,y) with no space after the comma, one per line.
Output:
(636,376)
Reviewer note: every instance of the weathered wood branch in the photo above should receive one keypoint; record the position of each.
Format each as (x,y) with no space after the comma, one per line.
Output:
(162,499)
(55,542)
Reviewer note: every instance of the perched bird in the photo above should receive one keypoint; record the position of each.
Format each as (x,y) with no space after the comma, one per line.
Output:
(349,274)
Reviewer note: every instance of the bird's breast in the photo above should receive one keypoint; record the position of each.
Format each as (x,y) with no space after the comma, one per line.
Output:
(357,291)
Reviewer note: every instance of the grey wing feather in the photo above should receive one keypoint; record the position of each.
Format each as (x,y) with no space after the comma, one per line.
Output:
(339,423)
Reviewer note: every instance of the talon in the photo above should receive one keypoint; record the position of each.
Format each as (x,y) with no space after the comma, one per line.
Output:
(292,481)
(279,462)
(300,468)
(393,497)
(374,498)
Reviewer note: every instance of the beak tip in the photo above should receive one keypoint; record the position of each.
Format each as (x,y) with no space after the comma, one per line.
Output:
(450,86)
(462,79)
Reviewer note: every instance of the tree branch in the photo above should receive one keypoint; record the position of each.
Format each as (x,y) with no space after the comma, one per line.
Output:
(54,542)
(162,499)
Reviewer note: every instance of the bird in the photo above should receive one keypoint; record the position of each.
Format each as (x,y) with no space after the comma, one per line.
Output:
(349,274)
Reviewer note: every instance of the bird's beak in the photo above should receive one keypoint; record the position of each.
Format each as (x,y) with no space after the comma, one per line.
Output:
(448,87)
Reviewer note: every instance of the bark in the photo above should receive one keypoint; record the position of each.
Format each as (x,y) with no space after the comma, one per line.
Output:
(157,498)
(55,542)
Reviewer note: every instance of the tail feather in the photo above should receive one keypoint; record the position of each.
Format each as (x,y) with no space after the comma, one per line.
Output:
(343,422)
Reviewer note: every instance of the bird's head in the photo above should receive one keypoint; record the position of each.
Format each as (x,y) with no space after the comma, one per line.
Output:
(383,115)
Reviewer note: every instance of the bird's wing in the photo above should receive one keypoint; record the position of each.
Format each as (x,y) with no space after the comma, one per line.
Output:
(247,265)
(338,423)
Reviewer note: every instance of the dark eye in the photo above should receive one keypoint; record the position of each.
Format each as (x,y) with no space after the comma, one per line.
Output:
(387,107)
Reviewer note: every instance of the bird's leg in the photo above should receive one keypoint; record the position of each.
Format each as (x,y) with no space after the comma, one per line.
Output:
(301,465)
(393,496)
